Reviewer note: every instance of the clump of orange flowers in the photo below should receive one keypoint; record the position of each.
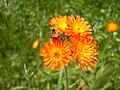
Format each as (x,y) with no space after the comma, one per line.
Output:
(112,26)
(70,25)
(71,38)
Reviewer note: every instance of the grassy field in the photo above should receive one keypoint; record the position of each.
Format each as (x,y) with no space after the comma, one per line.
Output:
(24,21)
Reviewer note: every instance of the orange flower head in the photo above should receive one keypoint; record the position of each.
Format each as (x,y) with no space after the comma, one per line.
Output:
(56,54)
(59,23)
(35,44)
(84,50)
(78,25)
(112,26)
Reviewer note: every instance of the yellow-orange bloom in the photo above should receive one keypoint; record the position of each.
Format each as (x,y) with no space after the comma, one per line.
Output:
(58,23)
(35,44)
(56,54)
(78,25)
(112,26)
(84,50)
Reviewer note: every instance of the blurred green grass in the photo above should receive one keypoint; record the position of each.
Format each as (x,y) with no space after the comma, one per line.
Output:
(23,21)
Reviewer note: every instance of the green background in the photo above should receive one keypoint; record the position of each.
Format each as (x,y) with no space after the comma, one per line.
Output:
(24,21)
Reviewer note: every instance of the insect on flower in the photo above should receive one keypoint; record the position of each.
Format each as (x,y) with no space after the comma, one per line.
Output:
(55,34)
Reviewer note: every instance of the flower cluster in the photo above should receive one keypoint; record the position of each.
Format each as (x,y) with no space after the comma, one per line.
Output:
(70,25)
(77,43)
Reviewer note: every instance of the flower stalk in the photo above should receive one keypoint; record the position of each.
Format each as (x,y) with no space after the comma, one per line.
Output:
(60,78)
(66,79)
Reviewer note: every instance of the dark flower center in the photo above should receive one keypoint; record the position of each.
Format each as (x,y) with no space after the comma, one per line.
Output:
(56,55)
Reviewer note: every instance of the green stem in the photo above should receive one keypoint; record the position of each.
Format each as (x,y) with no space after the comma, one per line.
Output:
(66,78)
(60,78)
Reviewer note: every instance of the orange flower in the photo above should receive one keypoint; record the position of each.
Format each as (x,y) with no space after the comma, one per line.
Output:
(58,23)
(84,50)
(35,44)
(112,26)
(76,26)
(56,54)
